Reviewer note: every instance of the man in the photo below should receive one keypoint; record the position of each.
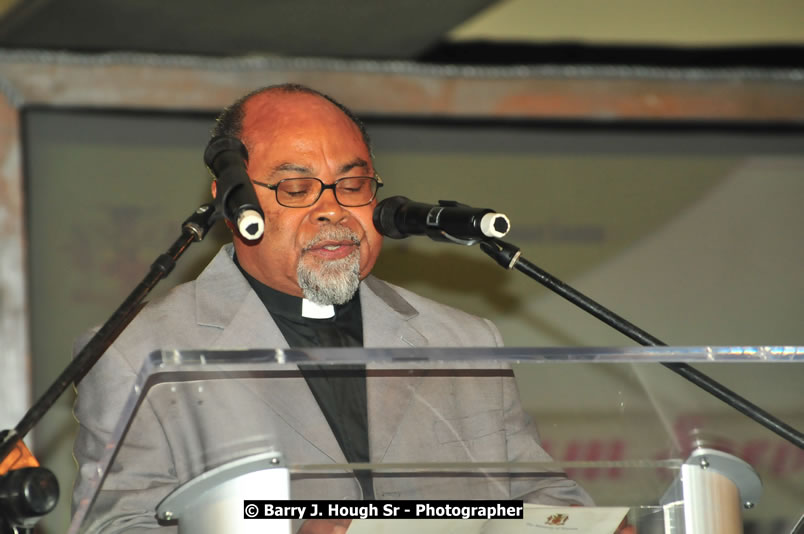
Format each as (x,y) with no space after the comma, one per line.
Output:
(305,283)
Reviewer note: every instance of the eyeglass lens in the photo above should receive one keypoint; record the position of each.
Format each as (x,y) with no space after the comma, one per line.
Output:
(302,192)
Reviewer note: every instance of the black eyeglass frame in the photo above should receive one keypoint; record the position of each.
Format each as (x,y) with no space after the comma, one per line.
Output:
(275,188)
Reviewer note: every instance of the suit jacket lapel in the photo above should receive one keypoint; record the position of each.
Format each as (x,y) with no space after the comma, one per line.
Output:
(386,317)
(386,323)
(250,326)
(224,299)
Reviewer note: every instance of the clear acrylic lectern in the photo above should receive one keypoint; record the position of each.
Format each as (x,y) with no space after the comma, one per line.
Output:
(204,430)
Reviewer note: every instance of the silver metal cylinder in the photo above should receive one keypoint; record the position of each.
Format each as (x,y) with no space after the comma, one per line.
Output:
(213,501)
(710,493)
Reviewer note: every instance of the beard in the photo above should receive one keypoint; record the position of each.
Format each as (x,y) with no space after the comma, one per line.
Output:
(334,281)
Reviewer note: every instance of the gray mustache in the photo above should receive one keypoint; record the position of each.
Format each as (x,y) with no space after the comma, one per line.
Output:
(336,233)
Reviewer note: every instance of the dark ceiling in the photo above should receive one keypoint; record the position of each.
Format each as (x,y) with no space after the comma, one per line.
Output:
(321,28)
(413,30)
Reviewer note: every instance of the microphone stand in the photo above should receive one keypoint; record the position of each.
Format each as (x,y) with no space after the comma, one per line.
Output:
(193,229)
(509,257)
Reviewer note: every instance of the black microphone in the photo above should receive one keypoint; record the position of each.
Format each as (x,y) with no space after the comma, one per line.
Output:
(398,217)
(226,159)
(26,495)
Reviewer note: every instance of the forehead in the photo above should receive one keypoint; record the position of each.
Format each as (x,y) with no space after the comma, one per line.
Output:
(299,122)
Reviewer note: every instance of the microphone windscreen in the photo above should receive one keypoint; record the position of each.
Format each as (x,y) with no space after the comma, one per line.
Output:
(223,144)
(385,217)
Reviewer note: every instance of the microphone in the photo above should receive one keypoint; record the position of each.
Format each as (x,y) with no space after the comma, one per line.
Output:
(25,496)
(226,159)
(398,217)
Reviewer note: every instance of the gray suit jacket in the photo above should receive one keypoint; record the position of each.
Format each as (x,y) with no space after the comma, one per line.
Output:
(420,418)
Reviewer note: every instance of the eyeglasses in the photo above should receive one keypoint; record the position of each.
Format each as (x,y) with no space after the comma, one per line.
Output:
(350,192)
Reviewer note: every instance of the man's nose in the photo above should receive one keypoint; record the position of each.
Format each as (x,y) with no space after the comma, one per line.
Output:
(327,208)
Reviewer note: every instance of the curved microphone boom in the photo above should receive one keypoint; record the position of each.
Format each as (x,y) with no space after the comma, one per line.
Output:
(399,217)
(226,159)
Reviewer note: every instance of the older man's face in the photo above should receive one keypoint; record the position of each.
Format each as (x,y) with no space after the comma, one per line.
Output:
(325,248)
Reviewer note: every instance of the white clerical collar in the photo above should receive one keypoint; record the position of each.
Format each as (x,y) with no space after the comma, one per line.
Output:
(311,310)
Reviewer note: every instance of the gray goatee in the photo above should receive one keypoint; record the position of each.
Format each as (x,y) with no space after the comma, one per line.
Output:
(330,282)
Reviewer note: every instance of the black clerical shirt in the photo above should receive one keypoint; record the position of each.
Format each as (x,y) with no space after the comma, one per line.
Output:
(340,390)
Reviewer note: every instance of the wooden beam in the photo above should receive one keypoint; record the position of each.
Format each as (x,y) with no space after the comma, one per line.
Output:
(548,93)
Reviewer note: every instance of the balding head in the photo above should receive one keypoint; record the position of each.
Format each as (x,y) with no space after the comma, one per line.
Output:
(230,120)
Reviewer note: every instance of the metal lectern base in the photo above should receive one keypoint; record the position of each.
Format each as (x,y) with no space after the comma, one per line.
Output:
(213,502)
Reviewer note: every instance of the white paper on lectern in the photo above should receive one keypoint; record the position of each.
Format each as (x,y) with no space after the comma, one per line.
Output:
(537,519)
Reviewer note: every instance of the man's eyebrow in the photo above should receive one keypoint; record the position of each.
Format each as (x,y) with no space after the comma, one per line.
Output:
(357,162)
(294,167)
